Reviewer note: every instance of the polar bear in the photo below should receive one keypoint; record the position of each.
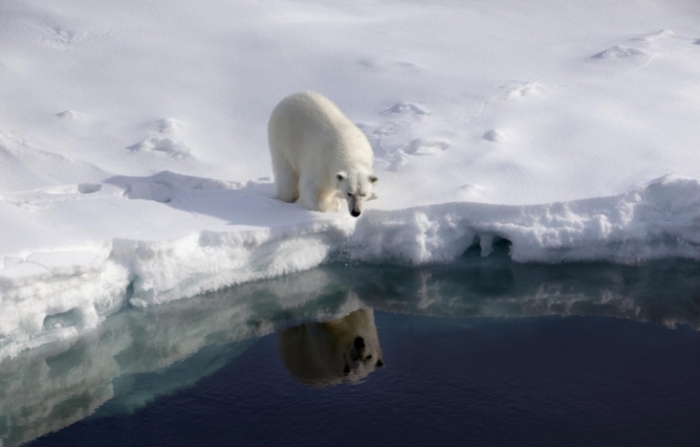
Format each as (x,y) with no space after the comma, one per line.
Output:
(324,354)
(318,155)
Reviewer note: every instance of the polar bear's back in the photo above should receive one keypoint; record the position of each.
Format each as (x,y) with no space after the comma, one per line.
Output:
(305,125)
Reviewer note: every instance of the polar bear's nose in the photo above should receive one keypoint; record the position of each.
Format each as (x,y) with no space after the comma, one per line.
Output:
(354,213)
(359,343)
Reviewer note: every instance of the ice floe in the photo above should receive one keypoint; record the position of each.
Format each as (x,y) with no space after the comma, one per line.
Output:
(134,168)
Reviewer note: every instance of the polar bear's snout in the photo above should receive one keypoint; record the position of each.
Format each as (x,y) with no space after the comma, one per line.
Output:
(359,350)
(355,210)
(359,343)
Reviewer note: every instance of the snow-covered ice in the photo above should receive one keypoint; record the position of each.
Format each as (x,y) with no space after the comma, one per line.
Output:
(134,166)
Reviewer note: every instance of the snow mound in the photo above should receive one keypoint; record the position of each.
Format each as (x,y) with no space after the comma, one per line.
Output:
(402,107)
(163,145)
(619,52)
(658,35)
(169,125)
(518,90)
(420,146)
(495,135)
(70,115)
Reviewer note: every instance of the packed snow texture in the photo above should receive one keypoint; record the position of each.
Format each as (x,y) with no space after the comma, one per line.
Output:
(134,167)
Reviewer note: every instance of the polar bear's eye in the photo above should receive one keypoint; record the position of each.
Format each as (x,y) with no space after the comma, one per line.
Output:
(349,194)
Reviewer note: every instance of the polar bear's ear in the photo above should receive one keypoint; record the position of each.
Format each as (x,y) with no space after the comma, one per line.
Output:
(373,179)
(341,176)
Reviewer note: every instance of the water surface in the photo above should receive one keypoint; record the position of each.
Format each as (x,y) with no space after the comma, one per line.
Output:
(480,352)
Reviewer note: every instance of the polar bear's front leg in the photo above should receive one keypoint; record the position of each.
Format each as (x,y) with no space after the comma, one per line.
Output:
(329,201)
(286,180)
(309,194)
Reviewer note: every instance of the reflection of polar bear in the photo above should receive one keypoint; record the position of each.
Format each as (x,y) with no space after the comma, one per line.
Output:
(329,353)
(318,155)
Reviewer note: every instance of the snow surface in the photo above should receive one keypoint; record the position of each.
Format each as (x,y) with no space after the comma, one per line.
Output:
(134,166)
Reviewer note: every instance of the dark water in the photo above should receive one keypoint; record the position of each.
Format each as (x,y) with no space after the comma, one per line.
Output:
(481,352)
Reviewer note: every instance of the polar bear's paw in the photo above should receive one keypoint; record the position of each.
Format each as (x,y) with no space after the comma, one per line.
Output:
(332,204)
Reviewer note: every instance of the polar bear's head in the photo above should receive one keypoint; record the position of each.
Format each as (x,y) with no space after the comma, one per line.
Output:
(356,187)
(362,357)
(333,352)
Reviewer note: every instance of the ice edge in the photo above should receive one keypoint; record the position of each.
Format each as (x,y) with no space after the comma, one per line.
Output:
(47,298)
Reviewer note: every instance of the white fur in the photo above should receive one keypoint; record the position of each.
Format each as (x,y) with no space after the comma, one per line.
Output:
(323,354)
(319,155)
